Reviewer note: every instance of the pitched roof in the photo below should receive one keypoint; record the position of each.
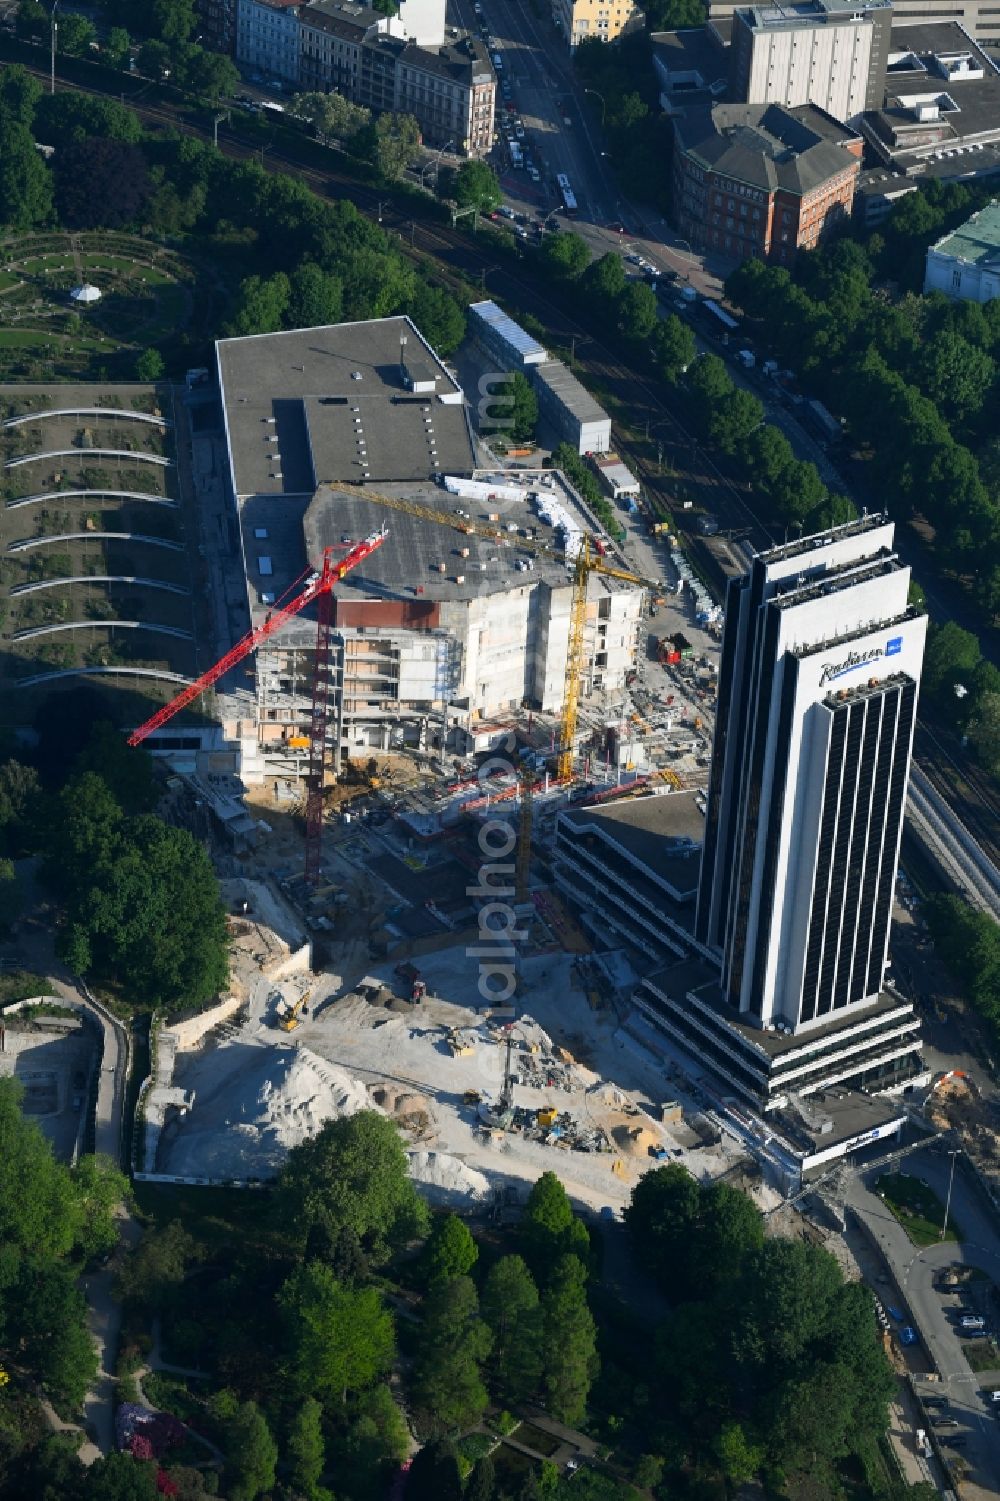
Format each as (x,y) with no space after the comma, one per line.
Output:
(766,145)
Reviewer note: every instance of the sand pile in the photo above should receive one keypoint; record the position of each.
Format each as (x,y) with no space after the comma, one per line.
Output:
(251,1106)
(410,1110)
(635,1140)
(447,1181)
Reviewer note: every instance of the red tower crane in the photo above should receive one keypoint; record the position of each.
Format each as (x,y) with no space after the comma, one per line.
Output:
(319,588)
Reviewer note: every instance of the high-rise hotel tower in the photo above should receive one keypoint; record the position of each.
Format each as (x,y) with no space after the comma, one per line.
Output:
(821,659)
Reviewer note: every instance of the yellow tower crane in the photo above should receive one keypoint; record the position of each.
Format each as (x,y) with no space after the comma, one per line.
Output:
(586,562)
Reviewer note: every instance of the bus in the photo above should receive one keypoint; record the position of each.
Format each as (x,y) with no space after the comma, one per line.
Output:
(566,193)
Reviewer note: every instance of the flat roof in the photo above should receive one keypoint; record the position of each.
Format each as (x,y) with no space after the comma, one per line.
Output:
(561,381)
(289,403)
(809,12)
(977,241)
(489,313)
(664,832)
(406,566)
(938,62)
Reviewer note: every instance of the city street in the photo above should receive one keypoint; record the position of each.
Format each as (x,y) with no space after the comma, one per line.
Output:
(913,1271)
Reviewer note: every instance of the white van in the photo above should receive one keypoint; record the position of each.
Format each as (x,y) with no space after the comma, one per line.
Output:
(498,62)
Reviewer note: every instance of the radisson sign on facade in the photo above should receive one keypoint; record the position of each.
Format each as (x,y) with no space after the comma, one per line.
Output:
(856,659)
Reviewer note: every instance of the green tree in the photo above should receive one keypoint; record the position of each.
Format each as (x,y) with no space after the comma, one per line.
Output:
(73,117)
(25,181)
(951,659)
(154,59)
(208,74)
(251,1453)
(119,1477)
(338,1339)
(673,347)
(352,1173)
(19,799)
(172,21)
(450,1251)
(32,20)
(984,731)
(563,255)
(305,1450)
(434,1474)
(316,298)
(955,375)
(835,510)
(19,95)
(158,1265)
(118,47)
(735,417)
(797,490)
(767,453)
(509,1303)
(569,1341)
(262,303)
(475,185)
(549,1227)
(149,366)
(482,1482)
(101,1191)
(50,1328)
(40,1215)
(637,311)
(739,1460)
(520,409)
(605,279)
(447,1386)
(75,34)
(673,15)
(330,115)
(391,144)
(662,1218)
(438,316)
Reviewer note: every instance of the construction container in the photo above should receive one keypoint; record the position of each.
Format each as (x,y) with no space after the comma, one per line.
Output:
(547,1117)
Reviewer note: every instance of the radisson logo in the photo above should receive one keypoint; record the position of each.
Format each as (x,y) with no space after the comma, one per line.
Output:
(853,660)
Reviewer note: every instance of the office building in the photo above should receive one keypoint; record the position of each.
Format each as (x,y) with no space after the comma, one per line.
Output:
(692,66)
(831,53)
(979,19)
(762,180)
(966,263)
(578,20)
(941,112)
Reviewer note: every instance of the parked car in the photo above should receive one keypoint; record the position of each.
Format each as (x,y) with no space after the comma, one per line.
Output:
(907,1335)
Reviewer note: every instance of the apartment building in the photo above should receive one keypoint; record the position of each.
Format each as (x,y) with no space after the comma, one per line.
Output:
(578,20)
(447,84)
(267,38)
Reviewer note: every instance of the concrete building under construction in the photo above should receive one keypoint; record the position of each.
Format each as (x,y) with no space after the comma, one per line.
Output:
(443,626)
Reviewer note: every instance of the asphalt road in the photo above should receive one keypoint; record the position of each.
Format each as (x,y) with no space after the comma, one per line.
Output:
(913,1270)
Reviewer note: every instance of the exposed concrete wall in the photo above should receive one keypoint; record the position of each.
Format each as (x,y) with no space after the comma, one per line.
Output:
(188,1033)
(297,963)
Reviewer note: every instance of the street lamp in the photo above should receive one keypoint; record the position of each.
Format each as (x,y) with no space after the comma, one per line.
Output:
(604,106)
(381,205)
(54,26)
(435,160)
(947,1202)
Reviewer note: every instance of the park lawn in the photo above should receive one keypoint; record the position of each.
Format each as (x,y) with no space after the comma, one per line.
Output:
(917,1208)
(8,279)
(24,338)
(119,264)
(44,265)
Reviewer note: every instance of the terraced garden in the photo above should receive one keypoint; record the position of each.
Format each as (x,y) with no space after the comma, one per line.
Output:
(150,297)
(94,568)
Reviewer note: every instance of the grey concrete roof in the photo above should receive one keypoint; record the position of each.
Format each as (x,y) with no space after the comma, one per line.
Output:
(406,565)
(795,13)
(766,145)
(965,139)
(463,61)
(658,831)
(561,381)
(288,400)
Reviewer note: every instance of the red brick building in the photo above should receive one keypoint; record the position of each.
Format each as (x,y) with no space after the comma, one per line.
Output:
(762,180)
